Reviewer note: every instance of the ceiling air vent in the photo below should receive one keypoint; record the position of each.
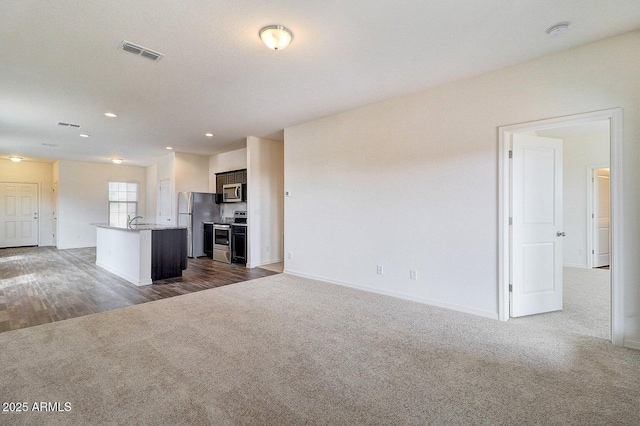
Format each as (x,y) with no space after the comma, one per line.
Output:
(75,126)
(140,51)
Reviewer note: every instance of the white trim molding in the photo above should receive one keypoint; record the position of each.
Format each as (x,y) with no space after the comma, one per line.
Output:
(631,344)
(423,300)
(505,134)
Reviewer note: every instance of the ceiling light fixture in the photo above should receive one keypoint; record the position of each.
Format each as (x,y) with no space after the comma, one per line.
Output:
(558,29)
(209,135)
(84,135)
(15,159)
(276,37)
(117,160)
(110,114)
(169,148)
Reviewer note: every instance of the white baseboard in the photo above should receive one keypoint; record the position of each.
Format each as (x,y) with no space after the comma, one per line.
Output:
(124,275)
(631,344)
(576,265)
(426,301)
(267,262)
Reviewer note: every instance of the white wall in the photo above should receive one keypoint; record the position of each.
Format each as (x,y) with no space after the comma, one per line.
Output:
(83,198)
(227,161)
(192,173)
(167,172)
(582,147)
(151,214)
(42,174)
(412,183)
(265,200)
(56,192)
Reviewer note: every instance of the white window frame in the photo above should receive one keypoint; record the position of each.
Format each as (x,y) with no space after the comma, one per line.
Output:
(122,191)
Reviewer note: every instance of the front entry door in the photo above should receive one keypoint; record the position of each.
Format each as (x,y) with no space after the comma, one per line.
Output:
(18,214)
(536,232)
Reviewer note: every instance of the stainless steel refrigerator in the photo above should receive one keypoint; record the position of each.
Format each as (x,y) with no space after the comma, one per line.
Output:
(194,208)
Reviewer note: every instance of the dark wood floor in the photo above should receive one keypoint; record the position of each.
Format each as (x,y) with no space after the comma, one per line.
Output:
(39,285)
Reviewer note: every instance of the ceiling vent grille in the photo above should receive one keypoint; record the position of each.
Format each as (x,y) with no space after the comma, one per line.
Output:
(140,51)
(74,126)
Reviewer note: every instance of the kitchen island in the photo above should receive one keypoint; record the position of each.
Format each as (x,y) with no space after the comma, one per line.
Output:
(142,253)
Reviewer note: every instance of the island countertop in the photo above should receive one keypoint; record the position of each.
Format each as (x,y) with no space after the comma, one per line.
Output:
(140,227)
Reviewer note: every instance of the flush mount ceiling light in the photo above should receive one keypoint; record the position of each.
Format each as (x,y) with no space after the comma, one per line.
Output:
(117,160)
(558,29)
(169,148)
(276,37)
(110,114)
(15,159)
(84,135)
(209,135)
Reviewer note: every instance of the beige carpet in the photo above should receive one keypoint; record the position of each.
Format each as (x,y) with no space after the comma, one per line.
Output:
(288,351)
(586,305)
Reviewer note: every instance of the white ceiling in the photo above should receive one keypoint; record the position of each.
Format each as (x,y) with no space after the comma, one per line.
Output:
(60,63)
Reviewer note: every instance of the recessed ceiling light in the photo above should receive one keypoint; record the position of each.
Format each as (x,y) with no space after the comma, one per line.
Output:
(209,135)
(169,148)
(110,114)
(558,29)
(117,160)
(84,135)
(276,37)
(15,159)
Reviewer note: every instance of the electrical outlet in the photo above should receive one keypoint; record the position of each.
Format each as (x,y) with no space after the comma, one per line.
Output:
(289,255)
(268,249)
(413,274)
(379,270)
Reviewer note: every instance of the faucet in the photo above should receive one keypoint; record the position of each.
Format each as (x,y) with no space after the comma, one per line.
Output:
(130,221)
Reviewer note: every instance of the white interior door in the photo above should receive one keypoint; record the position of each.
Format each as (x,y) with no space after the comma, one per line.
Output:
(536,232)
(18,214)
(601,218)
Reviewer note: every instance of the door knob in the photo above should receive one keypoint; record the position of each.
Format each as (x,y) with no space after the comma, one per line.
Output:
(560,234)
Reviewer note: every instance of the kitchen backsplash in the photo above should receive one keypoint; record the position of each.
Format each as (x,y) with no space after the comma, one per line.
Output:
(228,209)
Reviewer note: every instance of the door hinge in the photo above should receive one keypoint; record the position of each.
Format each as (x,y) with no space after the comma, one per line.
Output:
(593,252)
(510,154)
(510,221)
(510,288)
(593,215)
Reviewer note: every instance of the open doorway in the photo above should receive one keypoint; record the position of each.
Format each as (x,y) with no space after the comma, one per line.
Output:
(572,234)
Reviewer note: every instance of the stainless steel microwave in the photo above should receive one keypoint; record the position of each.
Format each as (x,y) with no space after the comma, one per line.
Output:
(233,193)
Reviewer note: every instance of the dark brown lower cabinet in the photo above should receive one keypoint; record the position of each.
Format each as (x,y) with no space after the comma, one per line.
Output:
(239,244)
(168,253)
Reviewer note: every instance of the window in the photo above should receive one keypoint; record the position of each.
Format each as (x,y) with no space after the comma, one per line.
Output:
(123,202)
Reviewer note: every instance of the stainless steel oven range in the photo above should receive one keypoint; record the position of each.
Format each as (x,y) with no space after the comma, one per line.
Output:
(222,242)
